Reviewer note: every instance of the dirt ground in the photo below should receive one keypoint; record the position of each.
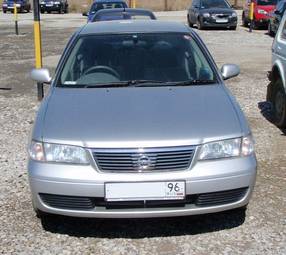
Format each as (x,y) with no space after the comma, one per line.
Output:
(262,230)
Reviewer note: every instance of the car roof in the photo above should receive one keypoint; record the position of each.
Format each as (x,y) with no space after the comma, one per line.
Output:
(129,10)
(134,26)
(108,1)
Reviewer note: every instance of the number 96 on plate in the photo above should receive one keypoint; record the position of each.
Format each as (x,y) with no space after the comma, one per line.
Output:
(174,190)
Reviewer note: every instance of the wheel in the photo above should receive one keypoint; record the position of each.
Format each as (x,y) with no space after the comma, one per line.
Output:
(189,22)
(4,11)
(61,10)
(270,31)
(244,20)
(278,100)
(67,10)
(199,24)
(233,28)
(42,11)
(49,12)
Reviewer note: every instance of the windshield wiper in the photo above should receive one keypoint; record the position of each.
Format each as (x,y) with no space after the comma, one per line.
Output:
(173,83)
(119,84)
(142,83)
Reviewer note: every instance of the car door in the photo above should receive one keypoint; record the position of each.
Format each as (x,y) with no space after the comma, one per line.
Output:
(278,15)
(280,45)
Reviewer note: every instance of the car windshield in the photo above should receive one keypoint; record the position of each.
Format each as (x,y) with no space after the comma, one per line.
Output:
(207,4)
(100,6)
(267,2)
(135,58)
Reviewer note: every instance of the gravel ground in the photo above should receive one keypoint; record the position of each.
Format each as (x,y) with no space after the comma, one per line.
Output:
(262,230)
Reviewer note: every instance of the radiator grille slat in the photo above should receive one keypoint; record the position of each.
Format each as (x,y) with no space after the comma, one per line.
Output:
(138,160)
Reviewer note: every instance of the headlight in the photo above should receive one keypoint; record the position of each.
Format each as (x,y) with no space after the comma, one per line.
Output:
(56,2)
(206,15)
(47,152)
(234,15)
(262,11)
(227,148)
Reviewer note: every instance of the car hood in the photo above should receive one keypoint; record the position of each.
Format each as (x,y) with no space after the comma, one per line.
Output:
(228,11)
(140,117)
(267,8)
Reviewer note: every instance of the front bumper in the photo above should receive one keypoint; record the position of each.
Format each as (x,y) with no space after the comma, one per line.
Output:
(86,181)
(11,8)
(212,22)
(50,8)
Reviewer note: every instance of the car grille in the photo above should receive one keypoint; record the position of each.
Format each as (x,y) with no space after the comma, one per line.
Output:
(220,16)
(140,160)
(198,200)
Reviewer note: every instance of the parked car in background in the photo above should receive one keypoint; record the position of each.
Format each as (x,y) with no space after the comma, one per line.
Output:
(212,13)
(262,8)
(275,17)
(276,93)
(103,4)
(138,123)
(122,14)
(60,6)
(22,5)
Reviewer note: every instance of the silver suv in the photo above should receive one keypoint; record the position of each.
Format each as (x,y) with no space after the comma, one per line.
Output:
(277,88)
(138,123)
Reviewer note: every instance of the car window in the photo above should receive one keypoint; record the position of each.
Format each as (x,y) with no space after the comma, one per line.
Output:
(267,2)
(121,16)
(283,33)
(112,58)
(196,3)
(279,6)
(207,4)
(96,7)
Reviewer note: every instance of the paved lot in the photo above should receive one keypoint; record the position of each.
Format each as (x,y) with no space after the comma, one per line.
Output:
(262,230)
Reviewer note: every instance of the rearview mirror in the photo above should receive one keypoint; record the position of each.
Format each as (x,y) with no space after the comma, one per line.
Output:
(41,75)
(229,71)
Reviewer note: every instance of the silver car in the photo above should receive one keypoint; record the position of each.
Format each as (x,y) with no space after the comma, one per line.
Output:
(277,87)
(138,123)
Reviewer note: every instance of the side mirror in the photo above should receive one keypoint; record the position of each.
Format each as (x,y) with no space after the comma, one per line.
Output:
(85,14)
(41,75)
(229,71)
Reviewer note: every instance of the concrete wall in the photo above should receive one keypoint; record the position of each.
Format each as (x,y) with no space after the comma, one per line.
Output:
(160,5)
(156,5)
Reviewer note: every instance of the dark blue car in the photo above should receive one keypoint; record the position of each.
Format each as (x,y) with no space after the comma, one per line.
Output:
(22,5)
(104,4)
(121,14)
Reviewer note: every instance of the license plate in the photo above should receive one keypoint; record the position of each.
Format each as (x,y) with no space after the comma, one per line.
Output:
(221,20)
(49,5)
(173,190)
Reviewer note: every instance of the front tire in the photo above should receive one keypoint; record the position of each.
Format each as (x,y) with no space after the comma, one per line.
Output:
(270,31)
(278,100)
(199,24)
(189,22)
(60,10)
